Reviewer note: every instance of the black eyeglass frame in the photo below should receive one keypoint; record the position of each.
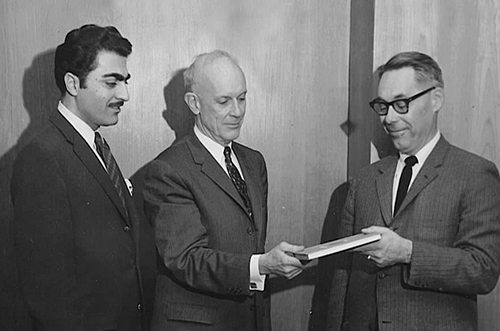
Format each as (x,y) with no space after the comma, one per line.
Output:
(406,101)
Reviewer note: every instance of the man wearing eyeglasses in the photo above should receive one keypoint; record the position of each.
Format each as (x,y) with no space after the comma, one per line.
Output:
(437,208)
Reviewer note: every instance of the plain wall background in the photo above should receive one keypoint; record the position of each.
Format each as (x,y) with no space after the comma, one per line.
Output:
(295,55)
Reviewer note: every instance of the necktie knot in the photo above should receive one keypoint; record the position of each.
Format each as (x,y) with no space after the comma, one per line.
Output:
(98,139)
(411,160)
(102,147)
(227,152)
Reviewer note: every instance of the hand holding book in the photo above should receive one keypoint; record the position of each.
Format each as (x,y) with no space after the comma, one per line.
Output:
(336,246)
(391,249)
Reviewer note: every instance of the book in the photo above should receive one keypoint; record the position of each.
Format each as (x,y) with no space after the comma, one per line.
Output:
(335,246)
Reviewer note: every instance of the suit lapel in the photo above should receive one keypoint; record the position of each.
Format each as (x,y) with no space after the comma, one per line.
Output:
(384,188)
(428,172)
(89,159)
(213,170)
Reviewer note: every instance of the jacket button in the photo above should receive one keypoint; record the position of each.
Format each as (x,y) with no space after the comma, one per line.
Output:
(126,228)
(381,275)
(139,307)
(250,231)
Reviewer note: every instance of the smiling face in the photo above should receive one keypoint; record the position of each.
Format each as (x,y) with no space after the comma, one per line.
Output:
(411,131)
(99,99)
(219,100)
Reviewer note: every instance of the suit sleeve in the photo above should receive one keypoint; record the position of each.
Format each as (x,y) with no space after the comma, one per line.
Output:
(44,241)
(183,241)
(471,265)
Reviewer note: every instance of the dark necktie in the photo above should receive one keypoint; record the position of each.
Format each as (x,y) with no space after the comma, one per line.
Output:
(404,181)
(111,166)
(238,182)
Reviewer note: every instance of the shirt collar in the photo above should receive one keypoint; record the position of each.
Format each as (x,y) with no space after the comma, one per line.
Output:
(83,128)
(216,149)
(423,153)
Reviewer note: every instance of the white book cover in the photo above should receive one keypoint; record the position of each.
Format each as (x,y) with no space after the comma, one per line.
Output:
(335,246)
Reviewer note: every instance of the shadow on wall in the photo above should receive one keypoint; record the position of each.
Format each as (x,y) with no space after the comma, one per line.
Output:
(178,117)
(324,270)
(181,121)
(40,96)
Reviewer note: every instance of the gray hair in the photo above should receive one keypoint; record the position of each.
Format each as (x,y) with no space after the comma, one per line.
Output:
(426,68)
(200,61)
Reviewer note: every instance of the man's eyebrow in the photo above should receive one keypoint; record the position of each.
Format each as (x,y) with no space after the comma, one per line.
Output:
(117,76)
(400,96)
(397,97)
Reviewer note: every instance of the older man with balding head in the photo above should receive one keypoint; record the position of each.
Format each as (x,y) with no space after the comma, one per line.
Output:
(207,198)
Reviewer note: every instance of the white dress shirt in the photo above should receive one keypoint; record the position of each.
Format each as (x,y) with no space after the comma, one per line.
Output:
(421,155)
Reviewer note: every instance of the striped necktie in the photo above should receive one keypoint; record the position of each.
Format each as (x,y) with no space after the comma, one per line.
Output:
(111,166)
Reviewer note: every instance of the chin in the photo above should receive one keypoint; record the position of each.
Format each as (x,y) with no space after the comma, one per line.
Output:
(233,135)
(111,122)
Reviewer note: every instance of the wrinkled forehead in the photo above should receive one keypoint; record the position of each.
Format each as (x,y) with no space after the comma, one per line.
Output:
(221,77)
(399,83)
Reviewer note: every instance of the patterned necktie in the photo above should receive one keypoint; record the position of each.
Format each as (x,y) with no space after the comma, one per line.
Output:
(111,166)
(404,181)
(238,182)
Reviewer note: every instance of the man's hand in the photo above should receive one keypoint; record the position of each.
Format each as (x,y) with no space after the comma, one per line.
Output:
(389,250)
(278,262)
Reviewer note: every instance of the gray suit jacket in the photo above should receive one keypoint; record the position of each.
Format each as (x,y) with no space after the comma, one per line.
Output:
(205,239)
(452,216)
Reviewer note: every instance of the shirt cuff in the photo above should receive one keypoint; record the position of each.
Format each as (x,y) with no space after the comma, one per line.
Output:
(257,281)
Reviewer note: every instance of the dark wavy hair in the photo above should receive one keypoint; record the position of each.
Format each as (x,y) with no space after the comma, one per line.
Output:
(426,68)
(80,48)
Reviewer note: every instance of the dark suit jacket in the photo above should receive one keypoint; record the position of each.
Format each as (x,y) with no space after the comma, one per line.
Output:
(76,249)
(205,239)
(452,216)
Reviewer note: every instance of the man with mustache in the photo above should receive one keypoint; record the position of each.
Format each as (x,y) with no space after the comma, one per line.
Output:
(76,228)
(207,199)
(437,208)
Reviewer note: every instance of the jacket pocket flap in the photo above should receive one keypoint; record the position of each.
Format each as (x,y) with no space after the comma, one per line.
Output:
(191,313)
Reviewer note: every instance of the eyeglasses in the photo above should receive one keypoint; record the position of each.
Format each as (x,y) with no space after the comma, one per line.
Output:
(401,106)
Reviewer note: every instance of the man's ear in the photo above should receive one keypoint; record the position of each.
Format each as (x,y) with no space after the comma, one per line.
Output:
(438,99)
(72,83)
(191,99)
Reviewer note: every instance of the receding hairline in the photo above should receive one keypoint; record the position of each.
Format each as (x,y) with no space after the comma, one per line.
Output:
(202,61)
